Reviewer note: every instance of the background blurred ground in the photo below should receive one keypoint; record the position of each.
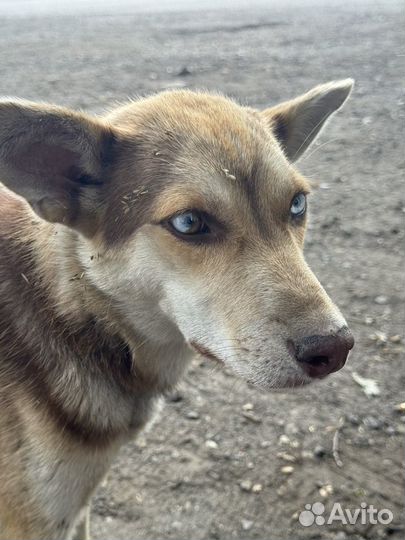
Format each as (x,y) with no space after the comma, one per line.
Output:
(214,465)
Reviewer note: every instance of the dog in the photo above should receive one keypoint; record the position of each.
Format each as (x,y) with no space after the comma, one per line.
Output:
(173,225)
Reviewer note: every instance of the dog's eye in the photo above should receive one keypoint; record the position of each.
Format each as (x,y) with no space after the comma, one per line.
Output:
(189,223)
(298,205)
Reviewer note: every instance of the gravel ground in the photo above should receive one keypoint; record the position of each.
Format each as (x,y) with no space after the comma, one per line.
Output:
(225,460)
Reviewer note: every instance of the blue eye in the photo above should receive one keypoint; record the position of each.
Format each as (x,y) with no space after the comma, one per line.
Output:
(189,223)
(298,205)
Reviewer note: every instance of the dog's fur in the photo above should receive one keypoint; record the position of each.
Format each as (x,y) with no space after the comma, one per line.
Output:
(102,306)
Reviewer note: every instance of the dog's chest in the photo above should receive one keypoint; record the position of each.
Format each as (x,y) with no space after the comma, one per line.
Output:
(63,471)
(64,480)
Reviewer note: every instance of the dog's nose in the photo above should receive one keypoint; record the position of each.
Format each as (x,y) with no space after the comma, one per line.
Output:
(320,355)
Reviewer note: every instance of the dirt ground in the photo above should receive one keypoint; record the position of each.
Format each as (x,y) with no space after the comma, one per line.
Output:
(226,460)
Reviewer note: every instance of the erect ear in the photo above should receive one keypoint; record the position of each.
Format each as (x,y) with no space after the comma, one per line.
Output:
(296,123)
(54,158)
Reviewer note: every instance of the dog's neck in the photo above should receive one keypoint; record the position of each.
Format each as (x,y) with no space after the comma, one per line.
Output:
(158,350)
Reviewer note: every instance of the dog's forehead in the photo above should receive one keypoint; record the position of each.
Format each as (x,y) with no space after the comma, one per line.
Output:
(195,150)
(201,135)
(203,124)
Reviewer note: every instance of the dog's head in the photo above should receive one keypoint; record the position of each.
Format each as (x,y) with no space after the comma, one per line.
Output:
(192,219)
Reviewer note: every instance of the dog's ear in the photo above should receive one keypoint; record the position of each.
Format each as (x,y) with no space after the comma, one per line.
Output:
(296,123)
(54,158)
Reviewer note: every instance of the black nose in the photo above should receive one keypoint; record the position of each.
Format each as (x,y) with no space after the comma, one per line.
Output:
(320,355)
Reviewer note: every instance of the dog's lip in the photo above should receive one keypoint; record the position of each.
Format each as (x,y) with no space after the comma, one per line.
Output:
(291,383)
(204,351)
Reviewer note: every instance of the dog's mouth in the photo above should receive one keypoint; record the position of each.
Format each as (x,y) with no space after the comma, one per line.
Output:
(289,383)
(204,351)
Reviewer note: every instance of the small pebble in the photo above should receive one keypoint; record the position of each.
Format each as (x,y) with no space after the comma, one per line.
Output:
(184,72)
(247,524)
(379,337)
(372,422)
(193,415)
(257,488)
(288,469)
(245,485)
(326,490)
(286,457)
(284,439)
(252,417)
(212,445)
(381,300)
(353,419)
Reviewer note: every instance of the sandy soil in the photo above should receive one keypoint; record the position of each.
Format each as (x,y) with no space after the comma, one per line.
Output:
(214,464)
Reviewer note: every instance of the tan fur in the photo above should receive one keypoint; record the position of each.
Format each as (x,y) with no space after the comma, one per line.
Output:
(101,306)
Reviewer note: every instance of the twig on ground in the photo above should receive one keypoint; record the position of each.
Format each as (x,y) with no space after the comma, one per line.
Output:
(335,443)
